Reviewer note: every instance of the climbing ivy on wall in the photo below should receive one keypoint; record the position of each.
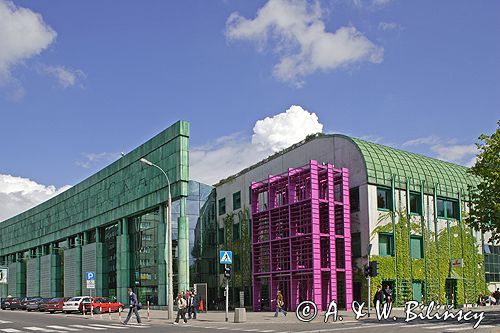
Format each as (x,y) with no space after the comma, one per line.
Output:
(434,268)
(241,247)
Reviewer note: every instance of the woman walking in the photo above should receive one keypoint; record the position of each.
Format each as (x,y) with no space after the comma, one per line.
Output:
(181,306)
(279,304)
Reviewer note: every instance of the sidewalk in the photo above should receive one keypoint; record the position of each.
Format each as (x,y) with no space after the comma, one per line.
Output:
(218,317)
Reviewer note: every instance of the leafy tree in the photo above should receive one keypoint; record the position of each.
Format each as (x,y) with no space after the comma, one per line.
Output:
(485,211)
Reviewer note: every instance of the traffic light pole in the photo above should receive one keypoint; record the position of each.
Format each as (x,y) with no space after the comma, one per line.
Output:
(369,295)
(369,276)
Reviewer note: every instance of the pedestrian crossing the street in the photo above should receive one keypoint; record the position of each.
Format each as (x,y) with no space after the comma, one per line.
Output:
(67,328)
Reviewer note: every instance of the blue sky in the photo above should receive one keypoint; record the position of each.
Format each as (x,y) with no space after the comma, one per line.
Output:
(98,78)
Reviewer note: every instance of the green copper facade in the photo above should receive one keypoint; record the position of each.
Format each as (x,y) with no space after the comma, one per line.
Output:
(95,226)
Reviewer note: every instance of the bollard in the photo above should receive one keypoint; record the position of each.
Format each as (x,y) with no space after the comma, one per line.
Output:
(91,309)
(120,313)
(83,309)
(100,312)
(148,311)
(109,312)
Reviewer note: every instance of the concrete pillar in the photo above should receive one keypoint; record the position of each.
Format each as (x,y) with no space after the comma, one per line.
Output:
(122,261)
(97,235)
(162,267)
(183,243)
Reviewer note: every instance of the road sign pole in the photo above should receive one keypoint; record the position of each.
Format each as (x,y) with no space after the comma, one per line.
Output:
(227,299)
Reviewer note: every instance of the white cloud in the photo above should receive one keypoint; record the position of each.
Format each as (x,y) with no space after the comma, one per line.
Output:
(303,44)
(428,140)
(230,154)
(371,4)
(381,3)
(66,77)
(92,159)
(23,34)
(447,149)
(455,153)
(285,129)
(386,26)
(18,194)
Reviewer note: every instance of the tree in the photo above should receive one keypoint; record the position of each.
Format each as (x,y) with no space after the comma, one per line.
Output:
(485,208)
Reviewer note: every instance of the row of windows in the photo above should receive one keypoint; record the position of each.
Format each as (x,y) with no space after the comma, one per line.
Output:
(236,203)
(386,245)
(446,208)
(236,233)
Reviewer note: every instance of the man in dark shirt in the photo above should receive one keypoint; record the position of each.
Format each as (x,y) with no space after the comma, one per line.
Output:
(133,307)
(379,297)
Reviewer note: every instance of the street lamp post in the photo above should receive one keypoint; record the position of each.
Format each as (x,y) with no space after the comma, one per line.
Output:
(168,240)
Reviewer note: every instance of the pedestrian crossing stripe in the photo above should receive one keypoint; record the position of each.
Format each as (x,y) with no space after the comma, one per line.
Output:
(226,257)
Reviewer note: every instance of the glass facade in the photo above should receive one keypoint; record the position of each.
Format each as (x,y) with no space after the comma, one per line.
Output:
(143,231)
(110,234)
(197,196)
(492,263)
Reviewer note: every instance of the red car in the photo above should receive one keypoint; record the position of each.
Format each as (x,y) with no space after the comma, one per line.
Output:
(102,305)
(54,305)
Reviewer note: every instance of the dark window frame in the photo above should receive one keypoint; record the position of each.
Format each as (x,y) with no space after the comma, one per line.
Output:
(222,206)
(390,236)
(418,210)
(388,198)
(236,199)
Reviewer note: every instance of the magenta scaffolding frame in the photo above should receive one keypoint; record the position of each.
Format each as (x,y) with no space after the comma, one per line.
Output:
(301,238)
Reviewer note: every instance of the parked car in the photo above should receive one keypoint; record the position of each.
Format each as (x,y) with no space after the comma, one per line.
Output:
(55,304)
(25,301)
(42,304)
(14,304)
(5,303)
(102,305)
(74,304)
(33,304)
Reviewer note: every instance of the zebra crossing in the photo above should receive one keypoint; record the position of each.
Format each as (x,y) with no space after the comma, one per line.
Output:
(68,328)
(442,327)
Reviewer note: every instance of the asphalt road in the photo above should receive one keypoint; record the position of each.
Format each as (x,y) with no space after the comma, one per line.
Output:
(21,321)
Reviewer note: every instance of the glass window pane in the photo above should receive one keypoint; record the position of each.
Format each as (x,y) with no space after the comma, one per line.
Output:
(440,208)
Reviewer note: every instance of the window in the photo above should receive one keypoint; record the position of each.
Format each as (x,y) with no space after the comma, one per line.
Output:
(354,197)
(222,206)
(250,196)
(417,247)
(356,244)
(221,236)
(236,231)
(492,263)
(237,200)
(447,209)
(385,244)
(415,203)
(384,198)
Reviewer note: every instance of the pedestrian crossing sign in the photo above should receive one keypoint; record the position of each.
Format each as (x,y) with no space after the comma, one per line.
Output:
(226,257)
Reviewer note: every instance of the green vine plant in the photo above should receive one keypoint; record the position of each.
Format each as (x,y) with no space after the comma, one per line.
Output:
(435,267)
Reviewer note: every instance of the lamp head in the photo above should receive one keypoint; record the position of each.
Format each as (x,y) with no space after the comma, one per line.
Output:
(145,162)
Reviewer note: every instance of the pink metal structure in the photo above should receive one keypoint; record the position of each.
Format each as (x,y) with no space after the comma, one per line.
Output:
(301,239)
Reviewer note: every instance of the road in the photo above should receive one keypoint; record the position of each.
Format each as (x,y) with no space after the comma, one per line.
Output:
(20,321)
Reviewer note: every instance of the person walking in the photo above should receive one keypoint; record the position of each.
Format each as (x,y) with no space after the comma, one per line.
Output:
(195,303)
(133,307)
(181,306)
(388,294)
(496,294)
(280,303)
(379,297)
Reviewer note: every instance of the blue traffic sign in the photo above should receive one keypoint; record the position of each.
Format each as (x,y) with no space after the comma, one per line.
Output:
(226,257)
(90,276)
